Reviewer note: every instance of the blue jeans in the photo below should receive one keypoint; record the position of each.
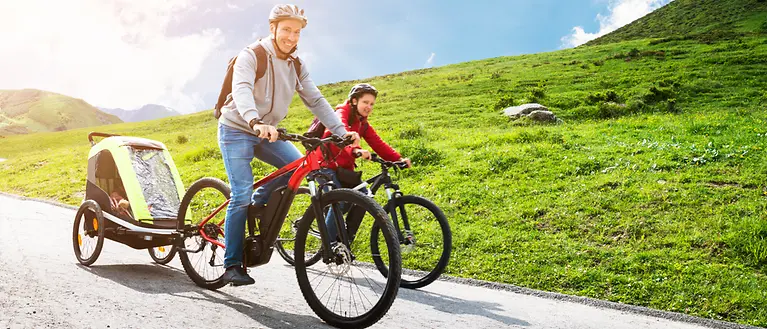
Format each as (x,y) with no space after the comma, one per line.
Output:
(238,149)
(330,218)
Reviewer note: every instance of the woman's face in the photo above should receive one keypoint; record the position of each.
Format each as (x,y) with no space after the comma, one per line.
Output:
(365,104)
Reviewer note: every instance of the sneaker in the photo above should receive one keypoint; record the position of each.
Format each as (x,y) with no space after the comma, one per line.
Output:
(237,276)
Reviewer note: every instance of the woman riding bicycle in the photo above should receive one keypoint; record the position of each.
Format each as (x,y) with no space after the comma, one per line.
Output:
(354,113)
(260,106)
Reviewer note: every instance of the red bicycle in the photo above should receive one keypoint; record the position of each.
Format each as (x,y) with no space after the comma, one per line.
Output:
(343,289)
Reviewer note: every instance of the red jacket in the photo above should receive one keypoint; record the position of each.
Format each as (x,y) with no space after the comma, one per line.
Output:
(345,158)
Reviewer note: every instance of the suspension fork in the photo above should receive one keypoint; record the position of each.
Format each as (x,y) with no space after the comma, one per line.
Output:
(316,204)
(393,194)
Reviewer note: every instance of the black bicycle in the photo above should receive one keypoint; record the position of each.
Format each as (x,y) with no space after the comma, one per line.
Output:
(422,229)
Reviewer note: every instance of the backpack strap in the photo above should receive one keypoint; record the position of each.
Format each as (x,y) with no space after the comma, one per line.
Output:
(297,65)
(260,61)
(226,87)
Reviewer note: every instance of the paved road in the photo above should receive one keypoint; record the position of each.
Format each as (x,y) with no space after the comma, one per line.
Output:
(43,286)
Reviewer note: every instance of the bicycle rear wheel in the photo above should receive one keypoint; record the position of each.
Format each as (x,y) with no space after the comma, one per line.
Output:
(426,244)
(347,292)
(203,261)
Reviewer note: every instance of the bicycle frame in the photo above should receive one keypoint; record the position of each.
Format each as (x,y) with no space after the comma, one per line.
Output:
(303,167)
(392,192)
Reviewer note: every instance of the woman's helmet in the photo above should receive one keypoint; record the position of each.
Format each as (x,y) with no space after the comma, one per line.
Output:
(362,88)
(281,12)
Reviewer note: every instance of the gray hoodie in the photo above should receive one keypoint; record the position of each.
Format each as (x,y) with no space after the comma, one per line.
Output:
(270,98)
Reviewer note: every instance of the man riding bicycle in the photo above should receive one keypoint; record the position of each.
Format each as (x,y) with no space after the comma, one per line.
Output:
(258,104)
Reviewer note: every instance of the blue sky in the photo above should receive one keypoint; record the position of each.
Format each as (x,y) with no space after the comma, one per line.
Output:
(128,53)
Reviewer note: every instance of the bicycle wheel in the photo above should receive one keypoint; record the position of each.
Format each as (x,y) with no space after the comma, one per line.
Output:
(163,254)
(88,232)
(427,240)
(203,261)
(285,244)
(348,293)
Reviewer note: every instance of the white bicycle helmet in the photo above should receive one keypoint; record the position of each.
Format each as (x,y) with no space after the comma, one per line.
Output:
(281,12)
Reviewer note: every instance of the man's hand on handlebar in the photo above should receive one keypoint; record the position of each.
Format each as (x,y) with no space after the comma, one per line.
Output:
(267,132)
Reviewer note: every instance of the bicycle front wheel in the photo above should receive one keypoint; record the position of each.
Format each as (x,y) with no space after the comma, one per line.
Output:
(425,241)
(345,291)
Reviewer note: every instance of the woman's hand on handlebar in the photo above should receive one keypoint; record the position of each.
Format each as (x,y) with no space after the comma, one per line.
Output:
(407,161)
(362,153)
(355,137)
(267,132)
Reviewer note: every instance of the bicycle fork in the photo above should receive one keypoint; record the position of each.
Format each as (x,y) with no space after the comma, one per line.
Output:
(316,200)
(393,193)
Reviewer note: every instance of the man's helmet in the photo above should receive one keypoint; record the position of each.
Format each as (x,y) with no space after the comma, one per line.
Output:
(362,88)
(281,12)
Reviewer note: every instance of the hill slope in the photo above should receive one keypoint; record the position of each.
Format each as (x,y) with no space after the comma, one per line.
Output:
(702,19)
(652,192)
(144,113)
(30,111)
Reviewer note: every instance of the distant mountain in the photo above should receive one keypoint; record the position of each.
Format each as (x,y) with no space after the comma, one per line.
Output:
(30,111)
(144,113)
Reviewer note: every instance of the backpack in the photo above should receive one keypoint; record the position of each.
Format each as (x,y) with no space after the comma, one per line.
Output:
(226,87)
(316,129)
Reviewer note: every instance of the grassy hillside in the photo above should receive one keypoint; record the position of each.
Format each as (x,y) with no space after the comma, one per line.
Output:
(652,192)
(705,20)
(30,111)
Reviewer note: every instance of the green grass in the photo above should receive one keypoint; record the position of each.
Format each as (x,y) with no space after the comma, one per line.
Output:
(651,192)
(704,20)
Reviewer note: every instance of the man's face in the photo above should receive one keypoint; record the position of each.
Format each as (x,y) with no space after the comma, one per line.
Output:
(286,33)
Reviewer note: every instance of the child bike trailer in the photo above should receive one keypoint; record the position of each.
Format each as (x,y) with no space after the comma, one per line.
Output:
(132,196)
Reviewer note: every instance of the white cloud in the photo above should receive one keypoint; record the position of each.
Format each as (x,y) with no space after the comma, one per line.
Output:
(621,12)
(430,61)
(113,53)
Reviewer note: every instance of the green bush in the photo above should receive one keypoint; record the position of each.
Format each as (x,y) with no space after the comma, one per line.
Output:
(601,97)
(420,154)
(202,153)
(609,110)
(503,102)
(412,132)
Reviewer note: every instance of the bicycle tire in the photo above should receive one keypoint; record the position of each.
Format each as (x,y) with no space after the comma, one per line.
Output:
(391,288)
(447,239)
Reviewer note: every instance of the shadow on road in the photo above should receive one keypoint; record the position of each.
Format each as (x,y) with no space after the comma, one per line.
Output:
(452,305)
(441,303)
(160,279)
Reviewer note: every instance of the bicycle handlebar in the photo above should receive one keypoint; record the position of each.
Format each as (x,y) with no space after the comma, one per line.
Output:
(311,142)
(388,164)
